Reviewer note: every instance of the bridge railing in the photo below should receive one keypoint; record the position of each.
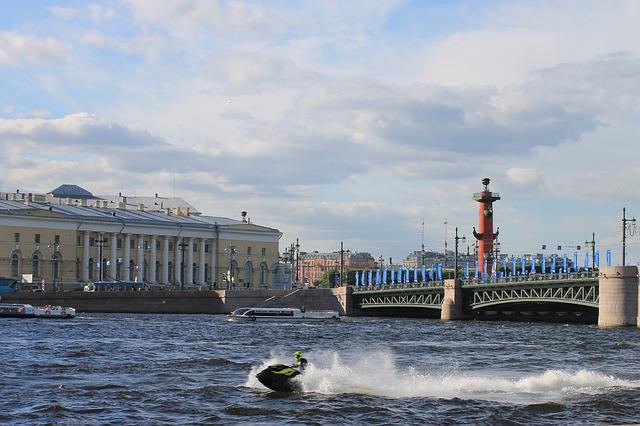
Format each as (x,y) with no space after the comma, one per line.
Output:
(529,278)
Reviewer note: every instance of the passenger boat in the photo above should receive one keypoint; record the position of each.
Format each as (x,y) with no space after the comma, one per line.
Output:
(20,310)
(280,314)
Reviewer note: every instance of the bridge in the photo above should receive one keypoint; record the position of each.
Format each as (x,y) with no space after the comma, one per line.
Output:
(572,296)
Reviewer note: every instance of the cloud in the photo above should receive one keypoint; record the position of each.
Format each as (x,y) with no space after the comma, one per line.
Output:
(522,176)
(18,49)
(64,12)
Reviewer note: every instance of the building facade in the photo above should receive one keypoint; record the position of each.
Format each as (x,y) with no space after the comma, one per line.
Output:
(312,266)
(71,237)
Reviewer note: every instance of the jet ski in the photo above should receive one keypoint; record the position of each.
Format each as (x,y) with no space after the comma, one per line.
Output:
(279,378)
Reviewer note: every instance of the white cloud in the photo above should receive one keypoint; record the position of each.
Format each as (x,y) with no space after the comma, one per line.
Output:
(17,49)
(63,12)
(522,176)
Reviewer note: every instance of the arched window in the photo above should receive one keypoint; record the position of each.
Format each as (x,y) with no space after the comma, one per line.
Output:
(15,265)
(263,274)
(248,274)
(35,265)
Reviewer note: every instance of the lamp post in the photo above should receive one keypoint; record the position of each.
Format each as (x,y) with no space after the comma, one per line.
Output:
(100,242)
(592,243)
(182,245)
(343,282)
(457,239)
(297,254)
(624,234)
(445,242)
(230,273)
(54,262)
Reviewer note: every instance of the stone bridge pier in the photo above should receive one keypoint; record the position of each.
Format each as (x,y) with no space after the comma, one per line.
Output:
(453,301)
(618,296)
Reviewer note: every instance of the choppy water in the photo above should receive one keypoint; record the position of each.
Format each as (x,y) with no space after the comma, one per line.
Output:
(175,369)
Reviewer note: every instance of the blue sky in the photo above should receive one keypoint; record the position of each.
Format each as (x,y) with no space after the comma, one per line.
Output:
(335,120)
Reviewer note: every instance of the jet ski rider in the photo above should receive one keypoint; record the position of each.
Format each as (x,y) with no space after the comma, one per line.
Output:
(301,362)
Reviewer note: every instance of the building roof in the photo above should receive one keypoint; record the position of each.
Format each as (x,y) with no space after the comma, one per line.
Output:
(71,191)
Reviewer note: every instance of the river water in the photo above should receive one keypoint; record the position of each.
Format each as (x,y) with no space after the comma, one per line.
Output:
(198,369)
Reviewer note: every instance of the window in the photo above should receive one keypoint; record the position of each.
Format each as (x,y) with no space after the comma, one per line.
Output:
(91,268)
(170,245)
(132,243)
(37,238)
(206,248)
(56,239)
(248,251)
(35,266)
(78,241)
(119,243)
(264,251)
(92,242)
(17,237)
(157,245)
(15,265)
(105,242)
(195,247)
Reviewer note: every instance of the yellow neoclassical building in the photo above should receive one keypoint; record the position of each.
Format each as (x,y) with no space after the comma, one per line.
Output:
(69,236)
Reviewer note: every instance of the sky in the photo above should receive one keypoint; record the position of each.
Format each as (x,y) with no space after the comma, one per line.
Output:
(335,121)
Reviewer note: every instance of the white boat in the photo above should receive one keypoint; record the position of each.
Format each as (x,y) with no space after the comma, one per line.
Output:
(281,314)
(20,310)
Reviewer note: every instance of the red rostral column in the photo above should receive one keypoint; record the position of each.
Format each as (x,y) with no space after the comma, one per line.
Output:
(485,236)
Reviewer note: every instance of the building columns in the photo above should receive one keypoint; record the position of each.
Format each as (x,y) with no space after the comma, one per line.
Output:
(152,259)
(127,258)
(201,270)
(85,256)
(189,266)
(113,256)
(140,262)
(166,279)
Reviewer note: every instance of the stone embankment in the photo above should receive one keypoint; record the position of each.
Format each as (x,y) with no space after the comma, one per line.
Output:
(189,302)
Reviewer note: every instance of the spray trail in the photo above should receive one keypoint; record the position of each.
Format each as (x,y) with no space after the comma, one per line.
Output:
(376,374)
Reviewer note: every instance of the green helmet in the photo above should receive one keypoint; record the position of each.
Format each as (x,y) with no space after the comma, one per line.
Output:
(297,354)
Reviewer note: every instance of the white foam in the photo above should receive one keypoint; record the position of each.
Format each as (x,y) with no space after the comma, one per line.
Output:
(376,373)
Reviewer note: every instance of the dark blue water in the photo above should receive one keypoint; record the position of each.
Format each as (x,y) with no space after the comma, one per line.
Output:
(175,369)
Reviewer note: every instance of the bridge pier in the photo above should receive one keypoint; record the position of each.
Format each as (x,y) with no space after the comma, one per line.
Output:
(618,296)
(452,304)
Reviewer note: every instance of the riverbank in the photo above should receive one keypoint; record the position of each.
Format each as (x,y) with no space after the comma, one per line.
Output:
(189,302)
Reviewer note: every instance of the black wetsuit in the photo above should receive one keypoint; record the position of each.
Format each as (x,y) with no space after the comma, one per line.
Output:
(300,364)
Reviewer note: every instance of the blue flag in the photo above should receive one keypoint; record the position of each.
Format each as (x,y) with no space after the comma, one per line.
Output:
(484,269)
(466,271)
(400,274)
(544,264)
(384,276)
(362,277)
(586,260)
(370,276)
(513,266)
(439,271)
(608,257)
(564,263)
(553,264)
(523,270)
(357,279)
(477,273)
(431,276)
(597,259)
(393,275)
(406,274)
(575,261)
(495,267)
(424,273)
(378,276)
(415,274)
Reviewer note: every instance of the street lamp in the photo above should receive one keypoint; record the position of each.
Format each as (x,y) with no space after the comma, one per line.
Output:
(54,262)
(100,241)
(455,267)
(182,245)
(592,243)
(624,233)
(297,253)
(343,282)
(230,273)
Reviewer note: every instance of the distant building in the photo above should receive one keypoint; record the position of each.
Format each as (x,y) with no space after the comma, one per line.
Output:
(313,266)
(70,235)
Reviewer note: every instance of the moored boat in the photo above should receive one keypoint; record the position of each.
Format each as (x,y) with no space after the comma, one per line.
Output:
(280,314)
(21,310)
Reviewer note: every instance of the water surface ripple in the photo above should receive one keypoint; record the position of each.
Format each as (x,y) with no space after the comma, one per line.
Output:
(198,369)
